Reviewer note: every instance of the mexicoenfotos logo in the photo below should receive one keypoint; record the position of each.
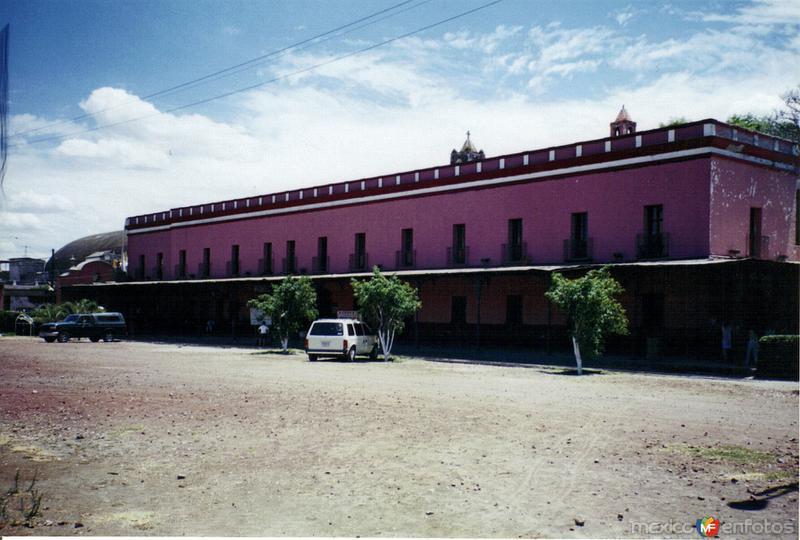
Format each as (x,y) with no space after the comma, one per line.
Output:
(707,526)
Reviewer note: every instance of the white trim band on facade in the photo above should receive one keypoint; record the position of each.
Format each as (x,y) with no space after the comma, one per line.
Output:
(578,169)
(433,272)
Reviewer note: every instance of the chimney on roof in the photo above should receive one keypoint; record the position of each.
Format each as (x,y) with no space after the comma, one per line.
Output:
(623,125)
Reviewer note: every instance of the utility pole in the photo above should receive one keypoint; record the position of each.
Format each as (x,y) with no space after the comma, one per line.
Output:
(53,273)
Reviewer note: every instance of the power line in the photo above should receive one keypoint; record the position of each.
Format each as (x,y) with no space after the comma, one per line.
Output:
(226,71)
(299,48)
(270,81)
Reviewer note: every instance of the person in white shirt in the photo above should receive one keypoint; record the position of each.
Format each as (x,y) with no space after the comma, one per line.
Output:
(263,330)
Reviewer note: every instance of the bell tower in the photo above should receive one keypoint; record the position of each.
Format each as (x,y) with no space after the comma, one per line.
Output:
(468,153)
(623,125)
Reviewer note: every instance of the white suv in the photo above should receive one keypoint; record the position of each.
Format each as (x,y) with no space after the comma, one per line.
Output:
(343,338)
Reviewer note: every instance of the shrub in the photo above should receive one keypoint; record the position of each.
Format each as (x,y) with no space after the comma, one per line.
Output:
(778,357)
(7,319)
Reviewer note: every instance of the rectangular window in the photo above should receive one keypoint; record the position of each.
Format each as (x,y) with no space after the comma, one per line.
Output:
(580,226)
(327,329)
(267,259)
(407,247)
(459,249)
(754,236)
(159,266)
(797,217)
(360,253)
(458,310)
(514,309)
(653,242)
(235,260)
(290,266)
(579,235)
(322,254)
(206,266)
(182,263)
(514,239)
(653,220)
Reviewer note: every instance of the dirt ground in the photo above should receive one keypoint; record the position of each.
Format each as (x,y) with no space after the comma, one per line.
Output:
(153,439)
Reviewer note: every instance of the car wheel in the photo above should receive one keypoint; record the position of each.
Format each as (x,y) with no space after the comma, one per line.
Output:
(350,356)
(94,339)
(63,337)
(373,355)
(108,337)
(49,339)
(312,357)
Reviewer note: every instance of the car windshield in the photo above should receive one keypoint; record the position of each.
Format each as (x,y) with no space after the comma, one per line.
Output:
(326,329)
(71,318)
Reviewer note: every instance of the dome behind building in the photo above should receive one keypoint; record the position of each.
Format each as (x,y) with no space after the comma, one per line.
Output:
(78,250)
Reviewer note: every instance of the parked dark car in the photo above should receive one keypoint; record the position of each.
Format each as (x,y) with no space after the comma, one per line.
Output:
(95,326)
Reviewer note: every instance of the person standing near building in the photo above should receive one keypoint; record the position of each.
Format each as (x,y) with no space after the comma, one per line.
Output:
(727,340)
(263,330)
(752,349)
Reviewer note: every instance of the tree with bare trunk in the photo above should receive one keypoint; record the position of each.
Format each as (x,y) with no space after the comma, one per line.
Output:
(592,310)
(291,305)
(385,303)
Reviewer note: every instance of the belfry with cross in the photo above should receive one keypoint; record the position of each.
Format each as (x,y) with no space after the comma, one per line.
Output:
(467,153)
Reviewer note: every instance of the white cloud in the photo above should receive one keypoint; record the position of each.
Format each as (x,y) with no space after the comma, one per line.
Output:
(623,16)
(485,43)
(759,12)
(26,127)
(126,153)
(459,40)
(31,201)
(556,43)
(20,221)
(489,42)
(556,52)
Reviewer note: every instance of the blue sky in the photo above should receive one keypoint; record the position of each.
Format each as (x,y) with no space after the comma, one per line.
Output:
(519,74)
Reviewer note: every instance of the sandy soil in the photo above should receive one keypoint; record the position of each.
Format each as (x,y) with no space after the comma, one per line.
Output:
(153,439)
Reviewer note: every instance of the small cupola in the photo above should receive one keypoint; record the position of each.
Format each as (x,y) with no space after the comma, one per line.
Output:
(467,153)
(623,125)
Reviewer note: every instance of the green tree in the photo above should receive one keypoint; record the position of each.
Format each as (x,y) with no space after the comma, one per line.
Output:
(49,313)
(385,302)
(674,121)
(291,305)
(84,305)
(784,123)
(591,308)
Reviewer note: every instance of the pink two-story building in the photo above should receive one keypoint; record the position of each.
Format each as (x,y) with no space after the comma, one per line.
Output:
(698,220)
